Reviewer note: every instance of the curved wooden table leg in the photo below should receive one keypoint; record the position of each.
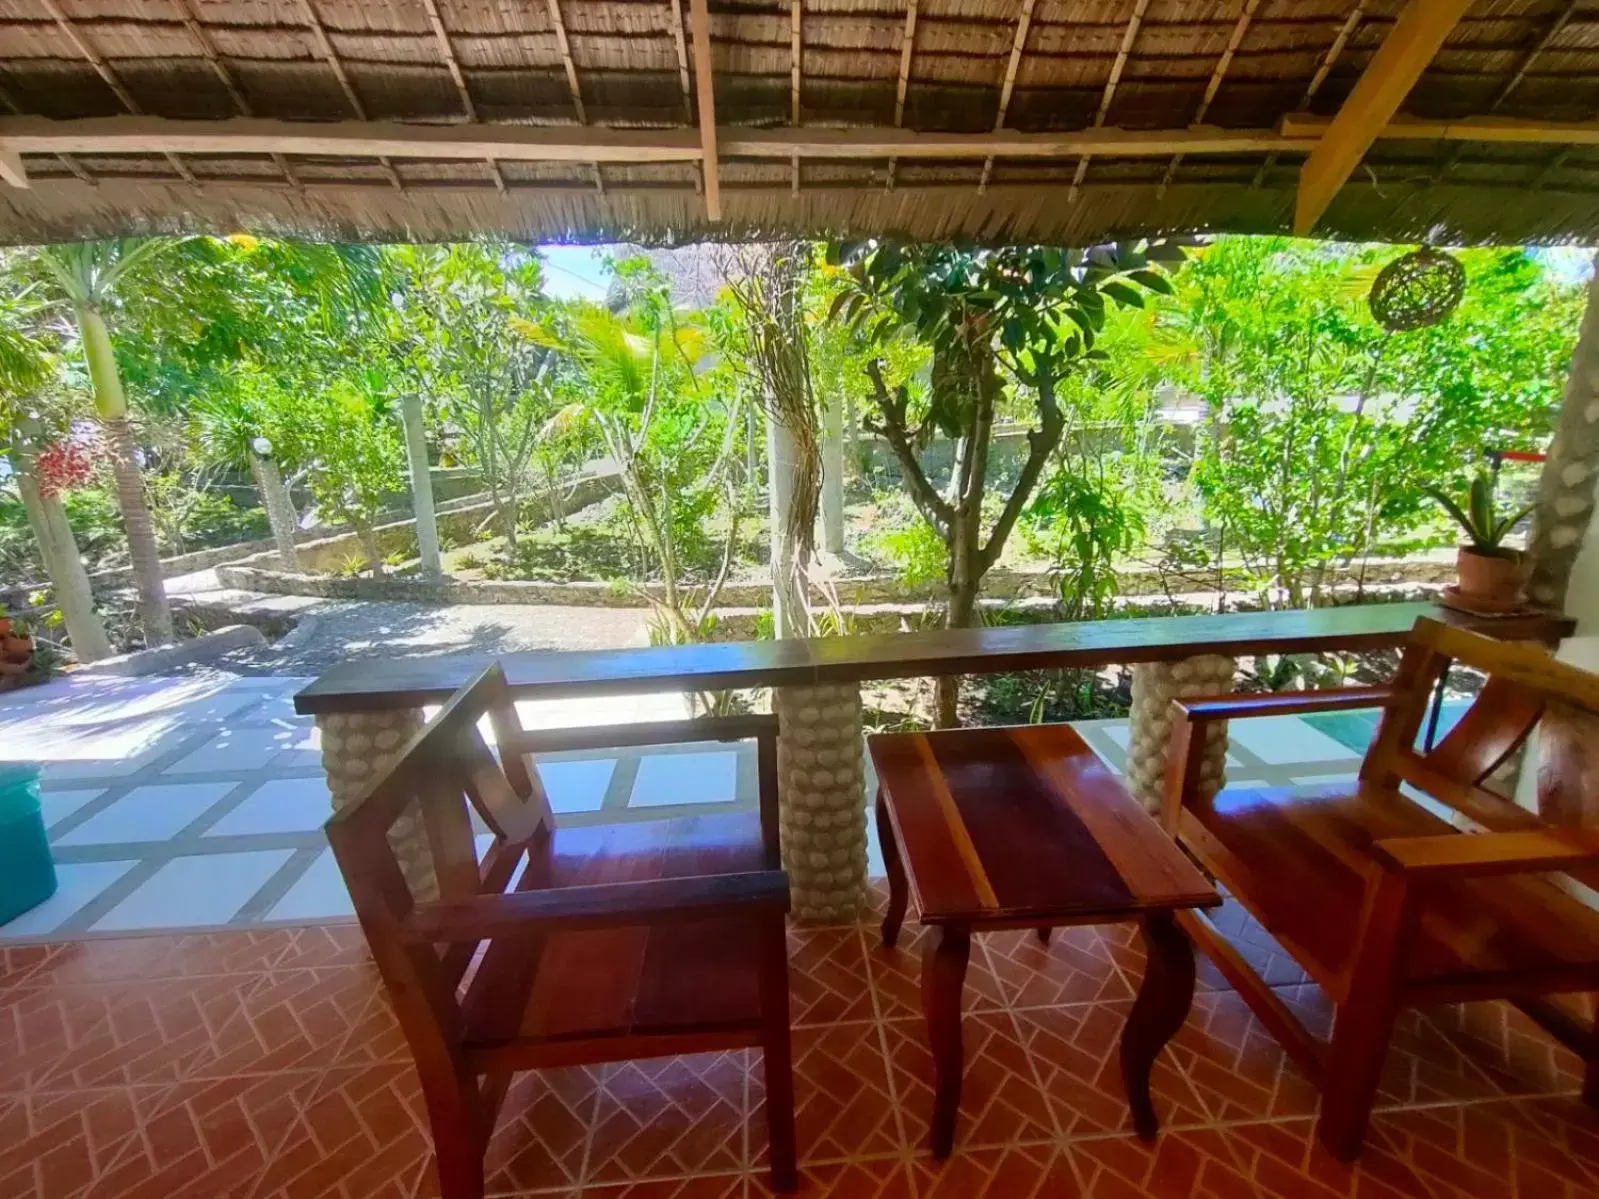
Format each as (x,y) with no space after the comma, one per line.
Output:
(897,889)
(1158,1012)
(943,977)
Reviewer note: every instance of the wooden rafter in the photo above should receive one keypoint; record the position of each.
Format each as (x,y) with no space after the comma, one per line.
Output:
(535,143)
(705,92)
(796,50)
(1411,44)
(1213,85)
(224,76)
(1551,31)
(66,160)
(1323,69)
(559,25)
(1123,52)
(907,51)
(103,69)
(674,11)
(12,172)
(1018,46)
(447,52)
(330,56)
(1553,164)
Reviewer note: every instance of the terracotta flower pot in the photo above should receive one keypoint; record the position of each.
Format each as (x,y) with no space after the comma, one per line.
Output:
(14,648)
(1491,580)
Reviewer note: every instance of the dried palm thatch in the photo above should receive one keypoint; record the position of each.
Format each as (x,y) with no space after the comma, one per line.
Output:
(918,66)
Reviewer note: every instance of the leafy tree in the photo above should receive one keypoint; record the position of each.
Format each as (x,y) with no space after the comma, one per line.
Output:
(1019,319)
(350,443)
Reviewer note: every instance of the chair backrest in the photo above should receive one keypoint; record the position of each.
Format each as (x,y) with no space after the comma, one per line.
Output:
(1526,690)
(446,772)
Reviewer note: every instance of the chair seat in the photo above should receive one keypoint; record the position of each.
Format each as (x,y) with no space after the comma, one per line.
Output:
(1298,856)
(637,981)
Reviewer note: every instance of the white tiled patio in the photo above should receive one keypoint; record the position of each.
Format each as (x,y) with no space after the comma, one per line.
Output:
(197,802)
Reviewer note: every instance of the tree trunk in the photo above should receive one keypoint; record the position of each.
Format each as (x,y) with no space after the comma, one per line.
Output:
(112,407)
(279,508)
(416,453)
(62,563)
(833,474)
(961,614)
(1566,488)
(146,559)
(368,535)
(788,595)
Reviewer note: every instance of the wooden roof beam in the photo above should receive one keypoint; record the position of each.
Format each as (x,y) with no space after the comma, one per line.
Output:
(1499,130)
(796,50)
(452,64)
(565,45)
(907,51)
(705,92)
(1411,44)
(1018,46)
(103,69)
(12,172)
(1240,27)
(531,143)
(330,56)
(1123,52)
(1323,69)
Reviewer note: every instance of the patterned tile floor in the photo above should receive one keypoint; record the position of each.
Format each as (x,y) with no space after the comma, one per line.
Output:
(265,1063)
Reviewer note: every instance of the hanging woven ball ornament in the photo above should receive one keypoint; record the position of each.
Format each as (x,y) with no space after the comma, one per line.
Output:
(1416,290)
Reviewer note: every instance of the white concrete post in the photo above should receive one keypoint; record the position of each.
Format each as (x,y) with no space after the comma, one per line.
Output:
(833,474)
(416,453)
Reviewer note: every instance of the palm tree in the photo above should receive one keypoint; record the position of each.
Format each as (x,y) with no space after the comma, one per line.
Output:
(233,431)
(27,364)
(87,274)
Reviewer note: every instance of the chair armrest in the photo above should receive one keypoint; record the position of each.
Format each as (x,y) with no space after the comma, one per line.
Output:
(1205,708)
(603,905)
(655,732)
(1467,855)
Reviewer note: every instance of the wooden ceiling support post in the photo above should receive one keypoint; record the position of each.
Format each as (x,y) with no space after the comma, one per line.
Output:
(1018,47)
(1412,43)
(705,91)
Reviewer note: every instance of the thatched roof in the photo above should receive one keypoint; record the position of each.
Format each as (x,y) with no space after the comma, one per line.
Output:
(936,67)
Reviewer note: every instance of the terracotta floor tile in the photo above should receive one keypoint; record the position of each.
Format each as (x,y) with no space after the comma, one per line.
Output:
(1015,1172)
(325,945)
(119,959)
(827,977)
(207,1138)
(18,962)
(1237,1069)
(896,975)
(670,1116)
(1268,958)
(1076,1053)
(542,1134)
(843,1107)
(1077,966)
(883,1178)
(1190,1164)
(374,1036)
(362,1133)
(292,1020)
(1001,1103)
(1518,1056)
(55,1144)
(704,1186)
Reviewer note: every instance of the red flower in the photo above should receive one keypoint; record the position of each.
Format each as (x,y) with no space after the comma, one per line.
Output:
(64,466)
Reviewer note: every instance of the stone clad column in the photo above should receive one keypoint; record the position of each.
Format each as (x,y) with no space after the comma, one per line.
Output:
(1155,685)
(822,800)
(356,748)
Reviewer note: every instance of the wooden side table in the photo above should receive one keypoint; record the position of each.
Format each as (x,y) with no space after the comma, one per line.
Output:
(1025,828)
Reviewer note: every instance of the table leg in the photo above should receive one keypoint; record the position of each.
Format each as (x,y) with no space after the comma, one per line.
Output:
(1158,1012)
(943,978)
(898,891)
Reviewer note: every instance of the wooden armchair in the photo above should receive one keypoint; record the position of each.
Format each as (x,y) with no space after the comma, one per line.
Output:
(1382,900)
(614,942)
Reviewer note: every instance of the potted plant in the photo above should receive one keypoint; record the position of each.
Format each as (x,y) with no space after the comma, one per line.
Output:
(1489,573)
(16,643)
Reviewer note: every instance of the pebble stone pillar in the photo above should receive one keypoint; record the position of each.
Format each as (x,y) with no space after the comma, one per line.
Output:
(356,746)
(1155,685)
(822,801)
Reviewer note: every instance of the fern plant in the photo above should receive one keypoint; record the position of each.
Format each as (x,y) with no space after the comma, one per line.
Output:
(1486,528)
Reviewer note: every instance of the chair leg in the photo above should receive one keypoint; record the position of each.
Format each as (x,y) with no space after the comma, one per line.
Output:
(1043,935)
(458,1143)
(898,890)
(1354,1066)
(1590,1077)
(777,1062)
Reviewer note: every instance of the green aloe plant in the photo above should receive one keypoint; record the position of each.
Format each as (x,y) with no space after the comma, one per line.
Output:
(1478,518)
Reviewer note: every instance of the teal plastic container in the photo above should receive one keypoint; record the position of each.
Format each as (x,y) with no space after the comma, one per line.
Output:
(27,872)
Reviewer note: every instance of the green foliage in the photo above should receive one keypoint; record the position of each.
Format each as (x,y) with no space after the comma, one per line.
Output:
(1486,528)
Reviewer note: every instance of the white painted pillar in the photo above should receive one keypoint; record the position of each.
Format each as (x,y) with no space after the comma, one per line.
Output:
(416,453)
(833,474)
(788,596)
